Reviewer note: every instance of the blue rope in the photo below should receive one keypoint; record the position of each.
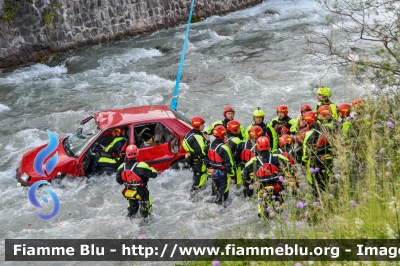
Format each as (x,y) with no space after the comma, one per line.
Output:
(174,102)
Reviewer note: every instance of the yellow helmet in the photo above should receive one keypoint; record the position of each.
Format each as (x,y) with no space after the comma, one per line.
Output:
(258,113)
(324,91)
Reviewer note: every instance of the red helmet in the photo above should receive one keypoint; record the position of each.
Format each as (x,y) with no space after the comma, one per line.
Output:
(324,110)
(132,151)
(357,102)
(305,108)
(263,143)
(285,139)
(255,132)
(282,108)
(233,127)
(310,117)
(117,132)
(344,109)
(228,108)
(197,121)
(219,132)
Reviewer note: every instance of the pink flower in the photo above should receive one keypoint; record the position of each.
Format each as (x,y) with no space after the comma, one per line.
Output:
(312,170)
(143,237)
(348,118)
(390,124)
(300,205)
(330,195)
(316,203)
(387,174)
(353,203)
(316,169)
(306,214)
(281,178)
(337,176)
(216,262)
(388,164)
(382,150)
(367,116)
(355,117)
(298,264)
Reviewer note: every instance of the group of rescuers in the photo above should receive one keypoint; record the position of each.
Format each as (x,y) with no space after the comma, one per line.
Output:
(261,158)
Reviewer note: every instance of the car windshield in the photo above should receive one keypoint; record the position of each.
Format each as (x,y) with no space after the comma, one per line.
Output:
(181,117)
(77,142)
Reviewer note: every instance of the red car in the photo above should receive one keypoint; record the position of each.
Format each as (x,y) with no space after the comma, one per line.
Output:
(156,130)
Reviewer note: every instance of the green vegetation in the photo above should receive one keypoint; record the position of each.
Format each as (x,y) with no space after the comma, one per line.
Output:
(195,19)
(49,16)
(10,10)
(48,19)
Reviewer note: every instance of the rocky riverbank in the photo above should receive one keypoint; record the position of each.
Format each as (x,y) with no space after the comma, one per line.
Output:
(31,30)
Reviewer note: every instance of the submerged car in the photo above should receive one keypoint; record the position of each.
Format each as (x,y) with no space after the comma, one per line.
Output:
(156,130)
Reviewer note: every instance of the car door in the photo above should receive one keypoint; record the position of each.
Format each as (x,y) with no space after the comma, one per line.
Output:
(156,144)
(93,152)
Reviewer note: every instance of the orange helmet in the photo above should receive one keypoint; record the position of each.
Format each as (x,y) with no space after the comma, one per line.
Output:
(263,143)
(282,108)
(310,117)
(132,151)
(117,132)
(324,110)
(197,121)
(357,102)
(228,108)
(219,132)
(305,108)
(285,139)
(344,109)
(233,127)
(255,132)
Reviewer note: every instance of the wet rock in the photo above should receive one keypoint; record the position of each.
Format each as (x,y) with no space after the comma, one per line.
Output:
(271,12)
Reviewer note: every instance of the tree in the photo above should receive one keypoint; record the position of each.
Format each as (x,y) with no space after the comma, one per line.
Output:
(363,35)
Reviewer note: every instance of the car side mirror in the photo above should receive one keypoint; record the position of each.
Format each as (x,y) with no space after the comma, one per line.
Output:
(175,145)
(79,131)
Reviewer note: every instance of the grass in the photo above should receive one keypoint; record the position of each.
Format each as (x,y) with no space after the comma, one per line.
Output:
(10,10)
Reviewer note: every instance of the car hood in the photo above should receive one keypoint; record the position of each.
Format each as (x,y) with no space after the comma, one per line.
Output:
(26,165)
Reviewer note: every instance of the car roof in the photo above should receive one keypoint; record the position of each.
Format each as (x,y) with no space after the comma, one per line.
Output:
(119,117)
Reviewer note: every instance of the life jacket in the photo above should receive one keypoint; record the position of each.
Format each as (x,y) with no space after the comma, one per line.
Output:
(301,134)
(288,155)
(322,139)
(216,161)
(267,174)
(131,179)
(281,128)
(246,154)
(266,170)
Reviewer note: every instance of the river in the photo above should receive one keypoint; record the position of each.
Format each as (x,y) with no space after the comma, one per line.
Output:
(247,59)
